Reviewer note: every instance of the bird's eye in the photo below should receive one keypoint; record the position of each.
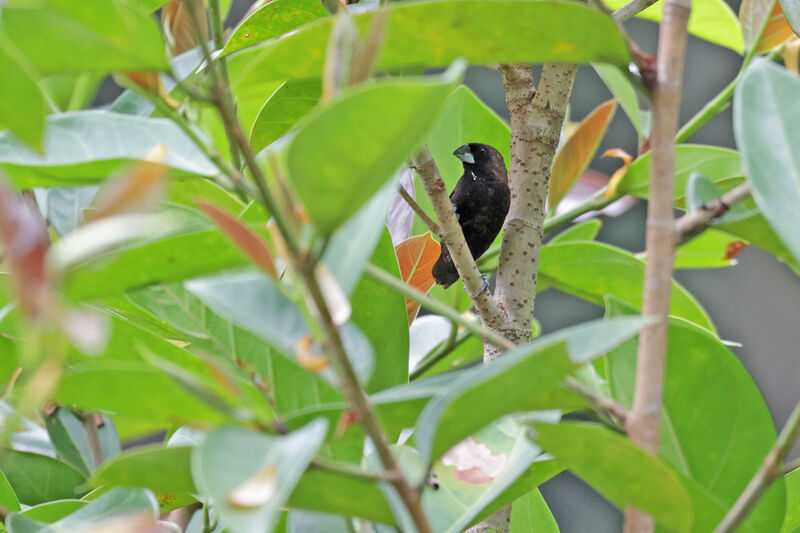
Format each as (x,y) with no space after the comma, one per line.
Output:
(481,149)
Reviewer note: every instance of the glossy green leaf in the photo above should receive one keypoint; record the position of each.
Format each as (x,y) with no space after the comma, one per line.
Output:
(530,513)
(54,511)
(273,19)
(792,522)
(112,385)
(116,503)
(708,250)
(249,476)
(63,206)
(622,89)
(477,474)
(792,12)
(312,522)
(99,35)
(252,301)
(584,231)
(165,471)
(85,147)
(174,257)
(524,379)
(22,105)
(8,497)
(711,20)
(435,33)
(620,471)
(593,270)
(380,314)
(702,417)
(716,163)
(38,478)
(70,440)
(342,154)
(764,126)
(288,104)
(753,227)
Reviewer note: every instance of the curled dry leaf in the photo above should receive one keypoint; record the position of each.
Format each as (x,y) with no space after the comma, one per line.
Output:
(335,298)
(475,464)
(618,174)
(303,350)
(256,491)
(139,190)
(416,257)
(177,24)
(734,249)
(578,151)
(791,54)
(244,238)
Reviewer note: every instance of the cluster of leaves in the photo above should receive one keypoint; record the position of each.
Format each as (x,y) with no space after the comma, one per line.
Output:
(158,296)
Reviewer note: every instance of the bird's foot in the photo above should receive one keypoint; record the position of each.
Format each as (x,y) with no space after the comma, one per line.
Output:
(483,288)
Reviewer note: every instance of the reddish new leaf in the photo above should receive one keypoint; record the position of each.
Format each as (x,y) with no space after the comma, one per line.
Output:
(776,32)
(577,152)
(755,14)
(25,244)
(177,23)
(416,257)
(242,236)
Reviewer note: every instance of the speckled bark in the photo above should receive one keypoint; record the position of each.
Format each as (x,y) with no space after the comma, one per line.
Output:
(536,120)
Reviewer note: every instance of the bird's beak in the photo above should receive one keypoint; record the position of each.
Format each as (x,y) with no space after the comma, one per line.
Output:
(464,154)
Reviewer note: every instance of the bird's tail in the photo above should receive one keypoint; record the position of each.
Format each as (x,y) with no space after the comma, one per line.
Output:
(444,271)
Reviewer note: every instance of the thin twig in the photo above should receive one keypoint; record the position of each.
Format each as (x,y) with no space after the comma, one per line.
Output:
(439,353)
(603,402)
(643,425)
(771,470)
(632,8)
(435,306)
(691,223)
(433,226)
(347,469)
(453,238)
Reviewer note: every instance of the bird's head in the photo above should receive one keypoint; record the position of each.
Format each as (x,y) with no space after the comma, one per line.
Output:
(481,157)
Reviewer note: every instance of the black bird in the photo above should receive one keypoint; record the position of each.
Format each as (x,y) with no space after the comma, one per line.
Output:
(480,201)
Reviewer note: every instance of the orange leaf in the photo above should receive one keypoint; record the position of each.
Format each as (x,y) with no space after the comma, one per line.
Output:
(417,256)
(776,32)
(242,236)
(139,190)
(791,55)
(616,177)
(577,152)
(177,25)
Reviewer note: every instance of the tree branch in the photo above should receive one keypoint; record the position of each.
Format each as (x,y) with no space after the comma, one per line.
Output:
(643,425)
(771,469)
(692,223)
(598,400)
(412,203)
(453,238)
(632,8)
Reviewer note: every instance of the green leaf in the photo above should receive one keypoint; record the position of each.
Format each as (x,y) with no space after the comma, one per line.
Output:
(524,379)
(753,227)
(380,314)
(22,105)
(273,19)
(702,417)
(792,12)
(165,471)
(707,250)
(312,522)
(584,231)
(8,497)
(620,471)
(92,35)
(345,152)
(170,258)
(478,474)
(115,503)
(622,89)
(530,513)
(711,20)
(69,439)
(54,511)
(252,301)
(136,390)
(716,163)
(288,104)
(64,206)
(593,270)
(765,130)
(38,478)
(435,33)
(792,522)
(249,476)
(85,147)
